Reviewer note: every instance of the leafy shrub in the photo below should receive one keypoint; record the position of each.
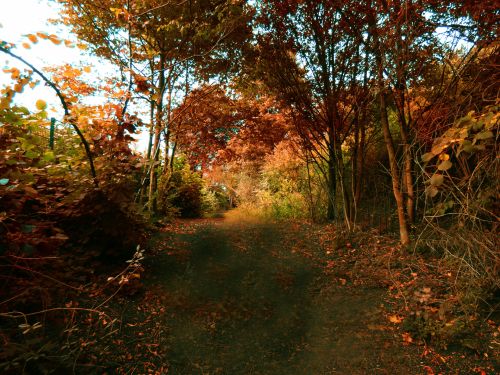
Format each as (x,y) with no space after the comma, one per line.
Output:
(57,231)
(181,192)
(461,222)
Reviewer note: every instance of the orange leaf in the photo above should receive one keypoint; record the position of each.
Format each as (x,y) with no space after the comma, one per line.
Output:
(55,39)
(395,319)
(429,370)
(407,339)
(32,38)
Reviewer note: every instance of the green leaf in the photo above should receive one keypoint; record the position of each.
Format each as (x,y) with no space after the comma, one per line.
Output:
(4,181)
(27,228)
(49,156)
(28,249)
(467,146)
(486,134)
(466,120)
(31,154)
(478,125)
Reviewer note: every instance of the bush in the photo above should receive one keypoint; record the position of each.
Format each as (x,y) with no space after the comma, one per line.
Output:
(181,193)
(461,222)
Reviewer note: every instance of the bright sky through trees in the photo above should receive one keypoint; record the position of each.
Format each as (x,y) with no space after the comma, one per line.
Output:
(21,17)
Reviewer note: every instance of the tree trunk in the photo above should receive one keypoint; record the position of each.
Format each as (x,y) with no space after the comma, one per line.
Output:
(144,187)
(332,177)
(400,95)
(389,143)
(168,129)
(408,176)
(396,186)
(153,175)
(360,163)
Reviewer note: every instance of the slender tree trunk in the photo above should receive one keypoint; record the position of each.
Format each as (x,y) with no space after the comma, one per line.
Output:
(153,175)
(346,198)
(172,157)
(401,90)
(408,176)
(396,186)
(357,166)
(361,139)
(360,162)
(312,212)
(168,125)
(151,129)
(332,177)
(144,187)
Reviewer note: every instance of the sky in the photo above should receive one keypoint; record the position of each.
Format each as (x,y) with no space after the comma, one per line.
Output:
(21,17)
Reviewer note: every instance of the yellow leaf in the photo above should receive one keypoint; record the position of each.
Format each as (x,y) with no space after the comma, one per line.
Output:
(431,191)
(42,35)
(427,157)
(445,165)
(87,69)
(41,105)
(439,147)
(4,103)
(444,157)
(437,179)
(26,45)
(395,319)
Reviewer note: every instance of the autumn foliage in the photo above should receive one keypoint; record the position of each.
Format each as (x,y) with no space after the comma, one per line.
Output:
(373,125)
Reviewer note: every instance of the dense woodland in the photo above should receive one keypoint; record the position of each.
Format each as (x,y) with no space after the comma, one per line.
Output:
(372,121)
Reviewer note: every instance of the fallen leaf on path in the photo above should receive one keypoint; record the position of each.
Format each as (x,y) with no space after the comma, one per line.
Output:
(407,339)
(395,319)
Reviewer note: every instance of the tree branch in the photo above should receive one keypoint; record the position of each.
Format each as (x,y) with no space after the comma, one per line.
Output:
(65,106)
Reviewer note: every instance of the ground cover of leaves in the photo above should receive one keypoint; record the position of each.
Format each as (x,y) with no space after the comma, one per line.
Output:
(222,297)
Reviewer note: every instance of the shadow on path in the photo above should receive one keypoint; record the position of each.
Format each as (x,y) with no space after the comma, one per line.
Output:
(239,301)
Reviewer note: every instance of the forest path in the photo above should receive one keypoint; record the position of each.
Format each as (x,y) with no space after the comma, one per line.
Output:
(260,298)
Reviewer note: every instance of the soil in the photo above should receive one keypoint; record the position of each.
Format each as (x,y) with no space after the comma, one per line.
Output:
(220,296)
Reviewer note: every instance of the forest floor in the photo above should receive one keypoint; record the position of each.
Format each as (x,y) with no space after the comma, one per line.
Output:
(224,296)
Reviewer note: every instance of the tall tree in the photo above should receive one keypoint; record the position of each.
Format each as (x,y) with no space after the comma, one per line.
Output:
(160,41)
(311,52)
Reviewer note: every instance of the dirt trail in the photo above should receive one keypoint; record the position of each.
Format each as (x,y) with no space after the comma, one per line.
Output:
(254,298)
